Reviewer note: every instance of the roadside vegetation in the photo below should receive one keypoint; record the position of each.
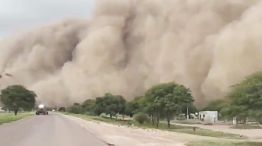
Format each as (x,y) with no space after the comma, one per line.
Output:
(219,143)
(168,101)
(161,126)
(161,102)
(247,126)
(8,117)
(244,102)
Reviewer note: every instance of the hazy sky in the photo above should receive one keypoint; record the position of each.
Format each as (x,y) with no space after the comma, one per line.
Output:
(22,15)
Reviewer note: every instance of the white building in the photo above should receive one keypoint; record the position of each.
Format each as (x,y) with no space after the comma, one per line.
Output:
(208,117)
(1,110)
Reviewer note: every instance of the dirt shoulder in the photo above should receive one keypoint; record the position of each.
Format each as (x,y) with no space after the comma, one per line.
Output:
(252,134)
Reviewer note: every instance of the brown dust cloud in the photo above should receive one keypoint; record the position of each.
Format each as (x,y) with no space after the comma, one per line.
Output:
(127,46)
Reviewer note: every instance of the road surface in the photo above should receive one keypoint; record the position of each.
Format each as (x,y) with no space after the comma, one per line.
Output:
(63,130)
(51,130)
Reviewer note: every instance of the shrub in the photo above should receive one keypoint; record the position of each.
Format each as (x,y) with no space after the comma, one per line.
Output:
(76,109)
(62,109)
(141,118)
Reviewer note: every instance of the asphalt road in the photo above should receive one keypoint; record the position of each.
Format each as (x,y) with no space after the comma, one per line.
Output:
(51,130)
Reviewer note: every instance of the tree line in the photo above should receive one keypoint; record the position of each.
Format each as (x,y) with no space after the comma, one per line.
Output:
(243,102)
(165,101)
(162,101)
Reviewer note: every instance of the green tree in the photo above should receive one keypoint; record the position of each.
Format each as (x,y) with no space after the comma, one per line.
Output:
(61,109)
(99,107)
(110,104)
(189,108)
(76,108)
(166,100)
(18,97)
(134,106)
(141,118)
(245,99)
(88,106)
(216,105)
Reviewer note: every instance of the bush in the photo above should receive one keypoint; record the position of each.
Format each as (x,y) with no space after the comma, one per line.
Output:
(62,109)
(76,109)
(141,118)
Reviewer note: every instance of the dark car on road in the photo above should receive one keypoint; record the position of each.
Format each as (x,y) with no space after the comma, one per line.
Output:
(41,110)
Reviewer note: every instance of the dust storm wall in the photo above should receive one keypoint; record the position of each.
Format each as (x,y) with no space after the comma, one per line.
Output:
(128,46)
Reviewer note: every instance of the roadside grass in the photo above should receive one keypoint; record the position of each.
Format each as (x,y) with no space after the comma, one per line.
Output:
(218,143)
(191,122)
(246,126)
(162,126)
(205,132)
(10,117)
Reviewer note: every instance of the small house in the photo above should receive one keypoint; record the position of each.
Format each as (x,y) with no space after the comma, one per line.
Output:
(1,110)
(208,117)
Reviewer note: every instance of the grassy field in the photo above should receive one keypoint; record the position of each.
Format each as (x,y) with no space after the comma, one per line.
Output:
(246,126)
(191,122)
(207,143)
(205,132)
(162,126)
(10,117)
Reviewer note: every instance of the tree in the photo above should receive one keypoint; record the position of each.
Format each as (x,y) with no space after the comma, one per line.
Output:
(216,105)
(88,106)
(245,99)
(134,106)
(190,108)
(141,118)
(76,109)
(18,97)
(62,109)
(99,107)
(166,100)
(110,104)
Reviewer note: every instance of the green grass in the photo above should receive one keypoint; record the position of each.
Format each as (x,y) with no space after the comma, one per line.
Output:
(10,117)
(101,119)
(197,131)
(247,126)
(191,122)
(208,143)
(162,126)
(205,132)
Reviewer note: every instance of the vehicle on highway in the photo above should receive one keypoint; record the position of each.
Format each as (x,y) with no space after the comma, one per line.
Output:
(41,110)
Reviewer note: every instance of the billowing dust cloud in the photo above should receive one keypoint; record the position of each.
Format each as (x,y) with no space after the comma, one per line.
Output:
(129,45)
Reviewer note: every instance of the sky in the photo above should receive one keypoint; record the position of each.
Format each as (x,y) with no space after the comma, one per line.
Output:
(23,15)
